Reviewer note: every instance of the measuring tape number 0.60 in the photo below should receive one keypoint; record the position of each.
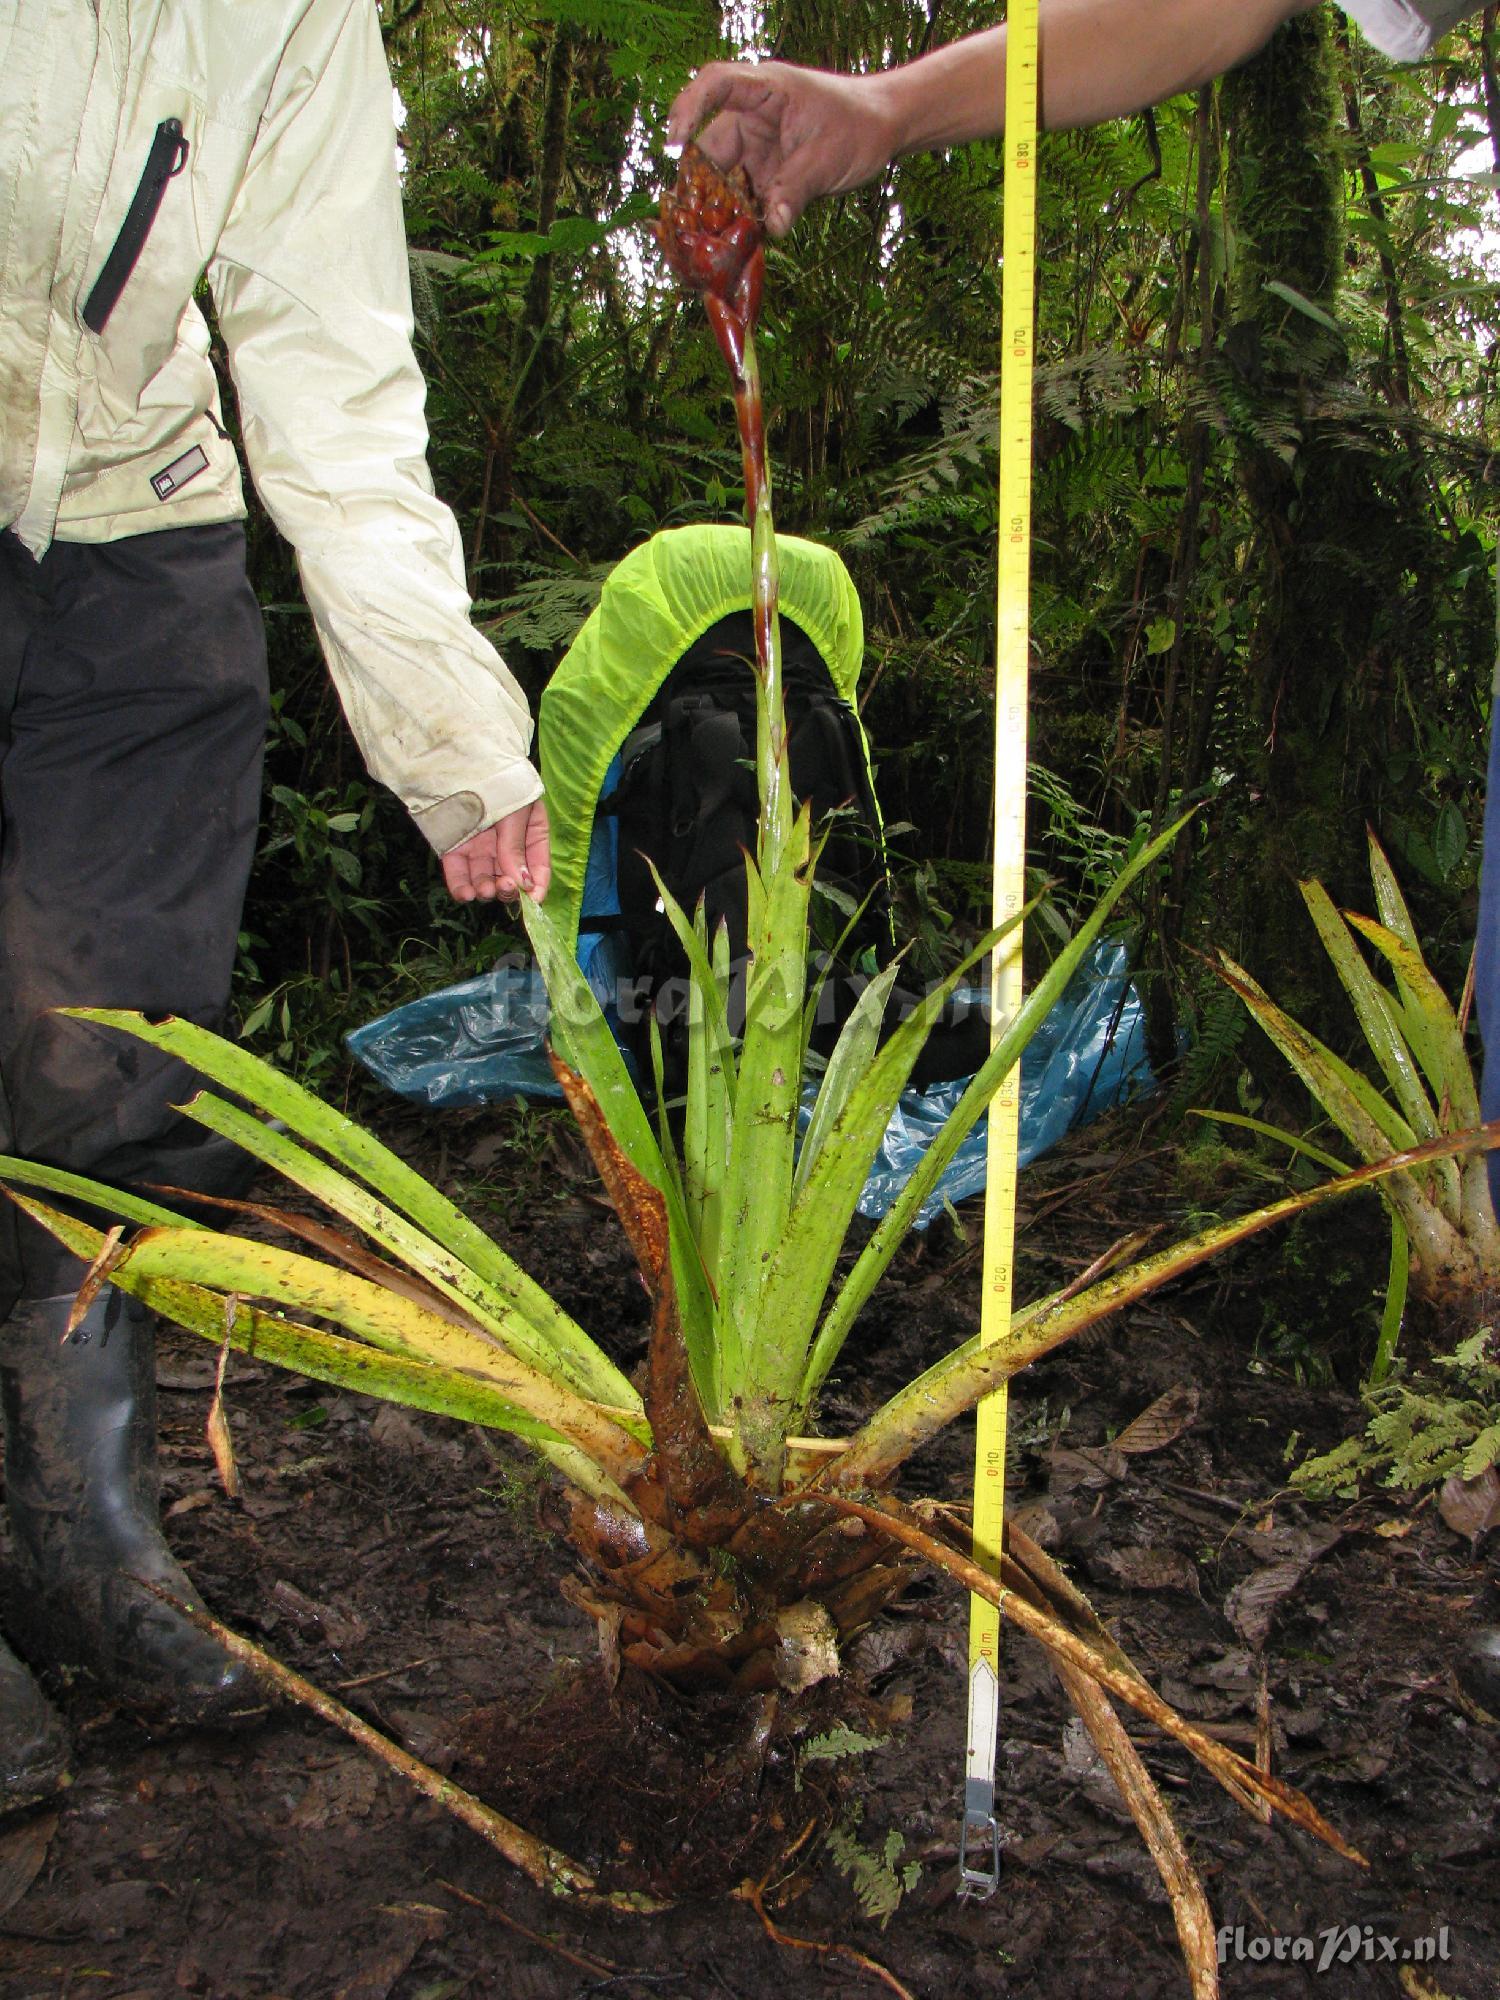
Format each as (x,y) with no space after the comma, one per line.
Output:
(979,1855)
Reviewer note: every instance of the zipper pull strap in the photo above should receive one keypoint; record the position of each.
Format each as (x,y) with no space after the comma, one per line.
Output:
(165,161)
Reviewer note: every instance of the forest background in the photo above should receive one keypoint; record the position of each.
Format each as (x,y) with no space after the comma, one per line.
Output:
(1264,496)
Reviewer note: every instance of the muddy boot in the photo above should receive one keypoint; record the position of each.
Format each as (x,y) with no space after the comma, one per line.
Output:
(33,1745)
(81,1486)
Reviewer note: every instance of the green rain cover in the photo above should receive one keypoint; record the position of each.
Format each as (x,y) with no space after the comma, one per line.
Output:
(655,603)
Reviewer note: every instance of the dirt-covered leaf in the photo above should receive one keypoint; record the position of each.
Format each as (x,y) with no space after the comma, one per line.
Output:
(23,1849)
(1162,1423)
(1471,1507)
(1252,1605)
(1152,1569)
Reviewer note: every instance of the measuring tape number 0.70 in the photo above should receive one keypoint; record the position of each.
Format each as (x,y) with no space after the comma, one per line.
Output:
(979,1855)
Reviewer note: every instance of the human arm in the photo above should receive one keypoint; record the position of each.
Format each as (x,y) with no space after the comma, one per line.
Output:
(310,279)
(802,133)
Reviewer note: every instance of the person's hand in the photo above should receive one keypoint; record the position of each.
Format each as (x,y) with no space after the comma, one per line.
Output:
(511,857)
(798,133)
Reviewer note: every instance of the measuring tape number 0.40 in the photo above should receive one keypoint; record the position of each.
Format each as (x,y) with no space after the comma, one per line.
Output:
(979,1856)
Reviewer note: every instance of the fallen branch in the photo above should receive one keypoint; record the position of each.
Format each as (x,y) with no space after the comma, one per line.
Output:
(1195,1923)
(546,1866)
(1229,1769)
(601,1968)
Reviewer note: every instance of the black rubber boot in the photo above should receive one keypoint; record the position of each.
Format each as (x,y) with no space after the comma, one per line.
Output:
(33,1745)
(81,1487)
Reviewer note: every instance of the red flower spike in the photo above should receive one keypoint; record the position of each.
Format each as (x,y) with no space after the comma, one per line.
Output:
(712,237)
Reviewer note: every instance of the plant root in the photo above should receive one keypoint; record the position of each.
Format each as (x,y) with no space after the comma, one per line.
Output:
(754,1894)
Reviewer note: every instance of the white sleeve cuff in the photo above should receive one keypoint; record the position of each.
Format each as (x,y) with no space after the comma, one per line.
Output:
(1407,29)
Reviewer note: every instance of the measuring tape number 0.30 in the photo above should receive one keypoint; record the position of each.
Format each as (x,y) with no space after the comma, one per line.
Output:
(979,1855)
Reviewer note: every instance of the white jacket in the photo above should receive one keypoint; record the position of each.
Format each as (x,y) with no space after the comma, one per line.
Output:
(286,197)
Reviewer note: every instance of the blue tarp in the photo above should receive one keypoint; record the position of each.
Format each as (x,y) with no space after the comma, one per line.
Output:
(482,1042)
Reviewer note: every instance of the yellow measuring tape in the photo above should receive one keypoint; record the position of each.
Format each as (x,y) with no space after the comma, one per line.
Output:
(979,1857)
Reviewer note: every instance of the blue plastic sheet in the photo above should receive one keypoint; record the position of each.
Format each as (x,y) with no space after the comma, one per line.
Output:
(1087,1056)
(477,1043)
(483,1042)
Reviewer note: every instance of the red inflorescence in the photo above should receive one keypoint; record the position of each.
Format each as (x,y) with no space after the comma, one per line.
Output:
(712,237)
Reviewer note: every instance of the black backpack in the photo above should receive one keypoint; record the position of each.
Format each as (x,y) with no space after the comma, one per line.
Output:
(687,800)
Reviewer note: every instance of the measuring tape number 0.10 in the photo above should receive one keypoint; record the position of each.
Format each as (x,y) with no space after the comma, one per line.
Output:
(979,1855)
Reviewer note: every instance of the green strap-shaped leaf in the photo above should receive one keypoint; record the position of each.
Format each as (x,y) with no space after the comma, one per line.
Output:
(1389,901)
(1374,1010)
(669,1158)
(1397,1282)
(325,1357)
(1431,1028)
(956,1382)
(345,1142)
(762,1150)
(711,1084)
(1431,1025)
(128,1207)
(1367,1120)
(1400,1266)
(584,1038)
(853,1053)
(831,960)
(1293,1140)
(1430,1208)
(823,1209)
(873,1260)
(394,1324)
(708,1004)
(804,1264)
(556,1344)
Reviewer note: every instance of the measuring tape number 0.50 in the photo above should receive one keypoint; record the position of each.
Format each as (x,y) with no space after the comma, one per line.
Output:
(979,1856)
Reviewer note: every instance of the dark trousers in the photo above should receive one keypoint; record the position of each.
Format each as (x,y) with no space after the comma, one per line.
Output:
(133,705)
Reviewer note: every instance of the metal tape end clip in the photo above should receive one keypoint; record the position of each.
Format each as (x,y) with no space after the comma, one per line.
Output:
(981,1841)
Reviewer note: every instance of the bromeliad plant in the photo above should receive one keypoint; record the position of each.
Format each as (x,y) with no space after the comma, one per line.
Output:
(725,1541)
(1444,1238)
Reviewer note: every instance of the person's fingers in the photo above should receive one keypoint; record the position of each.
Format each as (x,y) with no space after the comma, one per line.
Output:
(510,869)
(456,876)
(781,204)
(717,85)
(472,872)
(539,849)
(513,854)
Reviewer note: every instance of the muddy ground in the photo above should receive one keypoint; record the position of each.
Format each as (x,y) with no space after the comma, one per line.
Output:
(400,1560)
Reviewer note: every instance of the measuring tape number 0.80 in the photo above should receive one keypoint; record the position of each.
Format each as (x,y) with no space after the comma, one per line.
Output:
(979,1856)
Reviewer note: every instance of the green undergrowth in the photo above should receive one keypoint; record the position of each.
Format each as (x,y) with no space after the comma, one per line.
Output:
(1423,1426)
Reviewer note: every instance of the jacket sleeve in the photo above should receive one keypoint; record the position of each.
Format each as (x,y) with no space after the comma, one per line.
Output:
(311,283)
(1408,28)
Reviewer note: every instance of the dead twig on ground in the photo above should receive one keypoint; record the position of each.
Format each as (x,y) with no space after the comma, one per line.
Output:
(602,1968)
(546,1866)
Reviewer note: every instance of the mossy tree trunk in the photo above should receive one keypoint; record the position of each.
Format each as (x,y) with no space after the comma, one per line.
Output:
(1338,499)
